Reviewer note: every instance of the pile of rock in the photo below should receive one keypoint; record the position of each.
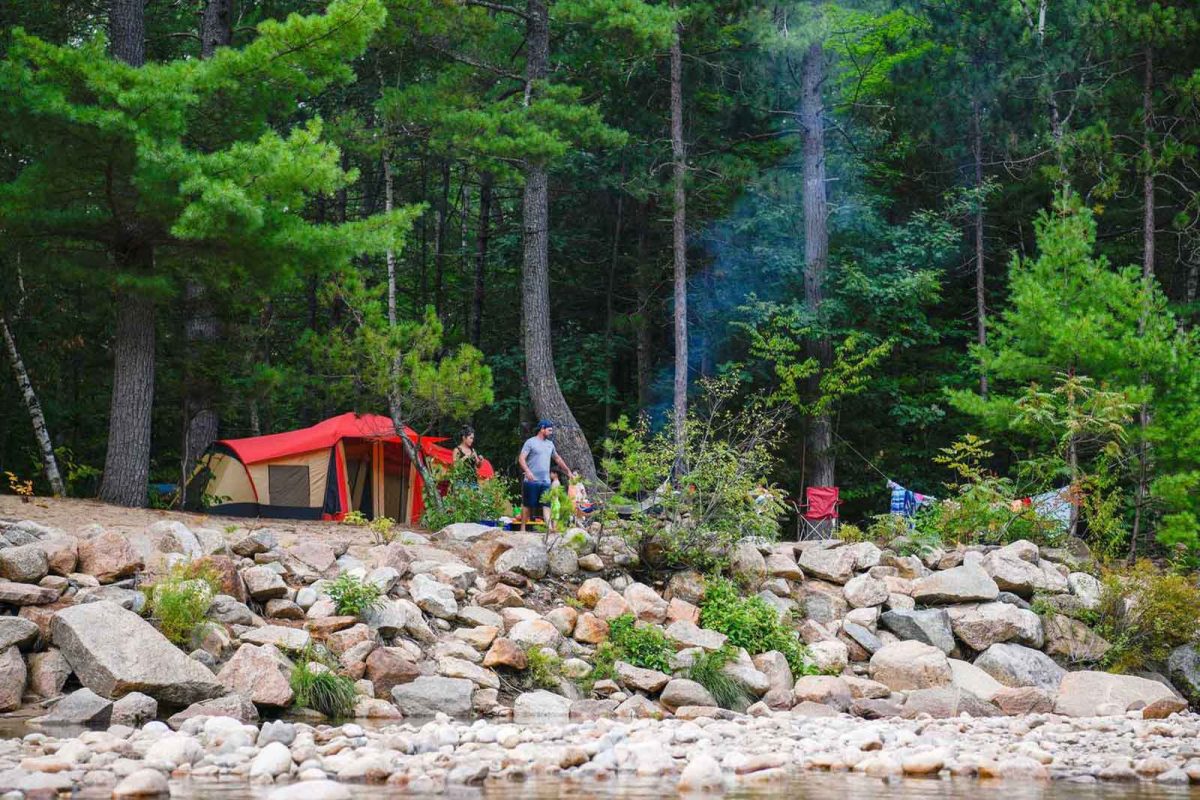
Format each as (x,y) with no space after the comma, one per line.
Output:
(462,610)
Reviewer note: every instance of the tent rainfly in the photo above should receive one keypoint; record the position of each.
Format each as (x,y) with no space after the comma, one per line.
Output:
(346,463)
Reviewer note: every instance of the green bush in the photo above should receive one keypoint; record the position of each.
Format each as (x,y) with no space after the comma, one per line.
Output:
(322,689)
(751,624)
(543,668)
(603,666)
(706,670)
(468,499)
(179,601)
(353,596)
(1144,614)
(645,647)
(725,494)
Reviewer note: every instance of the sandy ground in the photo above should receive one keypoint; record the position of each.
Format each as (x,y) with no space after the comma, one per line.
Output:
(72,515)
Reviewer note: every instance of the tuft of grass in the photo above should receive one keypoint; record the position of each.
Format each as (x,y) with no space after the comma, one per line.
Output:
(543,668)
(706,670)
(322,689)
(603,667)
(179,601)
(645,647)
(353,596)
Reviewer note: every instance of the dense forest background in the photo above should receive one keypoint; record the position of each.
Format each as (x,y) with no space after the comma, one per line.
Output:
(891,208)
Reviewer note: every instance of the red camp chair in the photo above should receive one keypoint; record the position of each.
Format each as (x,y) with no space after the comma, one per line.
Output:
(817,518)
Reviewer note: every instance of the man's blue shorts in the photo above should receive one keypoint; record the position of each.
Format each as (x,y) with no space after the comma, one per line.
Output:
(531,493)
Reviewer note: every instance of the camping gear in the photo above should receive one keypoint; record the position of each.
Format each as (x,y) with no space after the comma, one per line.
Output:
(346,463)
(817,517)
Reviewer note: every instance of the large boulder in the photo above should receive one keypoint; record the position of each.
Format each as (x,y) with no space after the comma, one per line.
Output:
(1073,641)
(27,594)
(947,701)
(1184,668)
(683,692)
(532,561)
(462,532)
(114,652)
(13,677)
(539,706)
(388,667)
(971,678)
(863,591)
(902,666)
(263,583)
(259,673)
(429,694)
(17,631)
(1017,665)
(433,597)
(747,564)
(1092,694)
(645,603)
(931,626)
(109,557)
(833,564)
(24,564)
(965,584)
(81,707)
(48,673)
(981,626)
(1020,576)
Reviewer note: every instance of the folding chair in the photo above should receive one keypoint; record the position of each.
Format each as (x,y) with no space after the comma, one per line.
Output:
(817,518)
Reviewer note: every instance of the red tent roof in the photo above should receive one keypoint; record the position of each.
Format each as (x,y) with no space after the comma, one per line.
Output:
(256,449)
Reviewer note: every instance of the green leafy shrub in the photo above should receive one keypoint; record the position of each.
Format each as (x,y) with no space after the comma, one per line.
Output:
(850,533)
(383,530)
(1144,614)
(543,667)
(353,596)
(355,519)
(725,494)
(980,507)
(603,666)
(751,624)
(645,647)
(468,499)
(322,689)
(706,670)
(179,601)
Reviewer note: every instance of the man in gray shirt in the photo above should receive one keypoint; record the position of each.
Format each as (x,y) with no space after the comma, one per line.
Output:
(536,455)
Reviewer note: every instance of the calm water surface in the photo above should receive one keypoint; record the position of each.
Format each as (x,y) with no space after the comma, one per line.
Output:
(811,786)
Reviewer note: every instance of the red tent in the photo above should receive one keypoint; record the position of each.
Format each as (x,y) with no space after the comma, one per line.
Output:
(346,463)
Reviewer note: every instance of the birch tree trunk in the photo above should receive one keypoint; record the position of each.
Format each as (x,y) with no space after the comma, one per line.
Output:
(34,407)
(544,390)
(679,250)
(816,251)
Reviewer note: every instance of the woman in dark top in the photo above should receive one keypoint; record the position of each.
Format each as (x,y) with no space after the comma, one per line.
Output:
(465,451)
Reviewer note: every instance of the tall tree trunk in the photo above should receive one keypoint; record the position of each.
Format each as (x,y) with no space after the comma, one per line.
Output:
(216,27)
(127,31)
(34,407)
(544,390)
(439,239)
(1148,229)
(645,342)
(127,461)
(816,251)
(201,422)
(481,249)
(980,293)
(609,291)
(679,249)
(388,205)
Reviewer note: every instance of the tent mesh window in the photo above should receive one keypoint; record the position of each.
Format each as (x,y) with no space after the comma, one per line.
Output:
(288,485)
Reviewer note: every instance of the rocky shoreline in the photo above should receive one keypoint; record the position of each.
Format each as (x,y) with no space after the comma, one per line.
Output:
(708,751)
(930,665)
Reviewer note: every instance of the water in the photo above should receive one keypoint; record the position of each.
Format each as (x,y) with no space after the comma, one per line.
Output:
(808,786)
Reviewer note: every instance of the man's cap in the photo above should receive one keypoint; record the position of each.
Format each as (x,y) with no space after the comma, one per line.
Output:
(546,423)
